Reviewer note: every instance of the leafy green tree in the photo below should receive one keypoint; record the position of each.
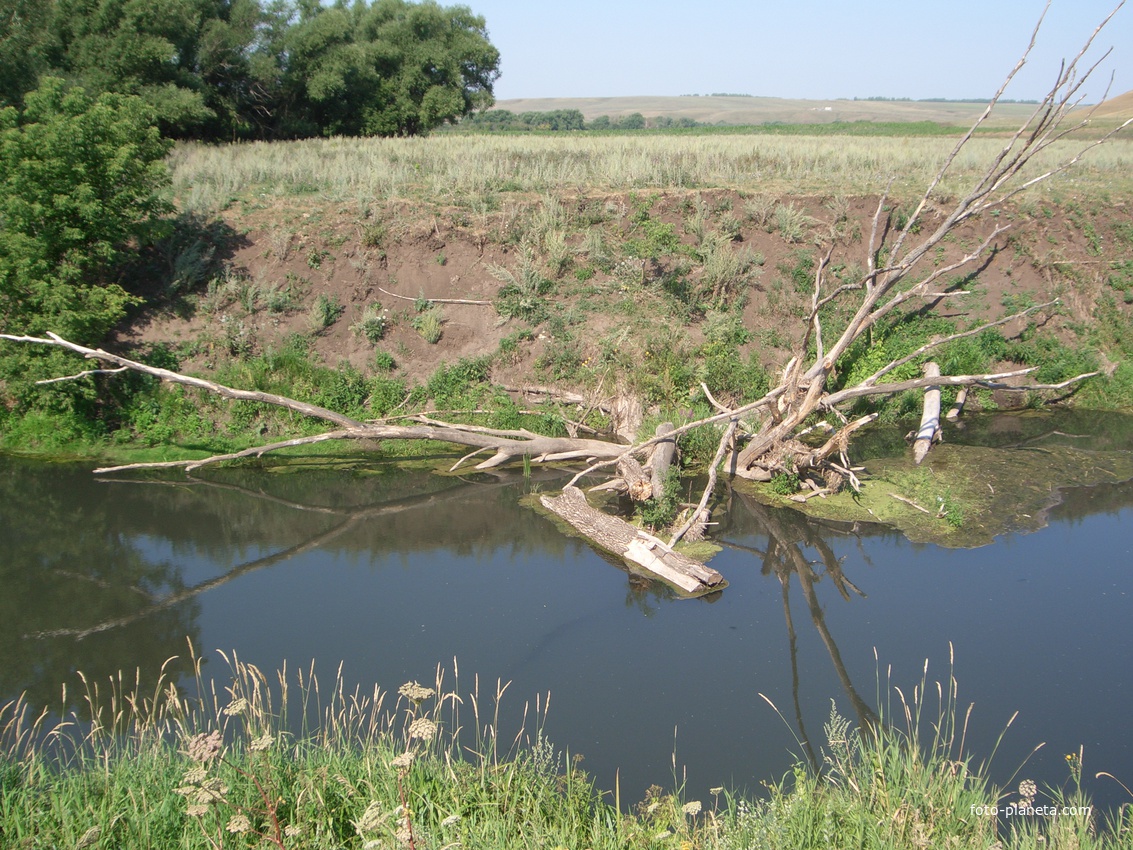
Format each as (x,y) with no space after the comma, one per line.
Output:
(238,66)
(23,33)
(81,182)
(229,69)
(209,68)
(633,121)
(390,68)
(146,48)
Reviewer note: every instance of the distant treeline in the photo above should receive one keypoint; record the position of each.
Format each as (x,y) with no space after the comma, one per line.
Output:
(258,69)
(500,120)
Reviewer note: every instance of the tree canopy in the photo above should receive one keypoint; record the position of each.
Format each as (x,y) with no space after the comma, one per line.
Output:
(230,69)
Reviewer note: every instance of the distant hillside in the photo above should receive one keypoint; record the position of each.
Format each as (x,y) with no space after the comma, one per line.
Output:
(1119,108)
(765,110)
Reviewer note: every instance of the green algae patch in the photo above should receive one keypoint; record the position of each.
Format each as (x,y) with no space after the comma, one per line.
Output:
(966,496)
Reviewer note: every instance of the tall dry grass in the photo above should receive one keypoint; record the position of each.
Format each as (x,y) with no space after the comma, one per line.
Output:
(283,760)
(463,169)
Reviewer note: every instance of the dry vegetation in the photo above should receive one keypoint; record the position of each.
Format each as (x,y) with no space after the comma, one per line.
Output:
(472,171)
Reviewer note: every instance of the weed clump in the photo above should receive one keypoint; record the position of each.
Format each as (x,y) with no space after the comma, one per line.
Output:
(429,324)
(324,312)
(372,324)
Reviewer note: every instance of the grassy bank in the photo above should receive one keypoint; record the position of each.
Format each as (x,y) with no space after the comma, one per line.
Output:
(281,761)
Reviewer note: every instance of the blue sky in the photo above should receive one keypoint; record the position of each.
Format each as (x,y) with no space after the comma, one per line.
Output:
(794,48)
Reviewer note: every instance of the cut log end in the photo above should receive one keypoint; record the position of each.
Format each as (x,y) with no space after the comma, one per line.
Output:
(929,431)
(641,551)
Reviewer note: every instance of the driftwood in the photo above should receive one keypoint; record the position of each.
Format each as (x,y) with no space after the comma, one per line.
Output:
(929,432)
(468,301)
(957,406)
(689,576)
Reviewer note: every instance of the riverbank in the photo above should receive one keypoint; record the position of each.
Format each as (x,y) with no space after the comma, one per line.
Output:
(272,759)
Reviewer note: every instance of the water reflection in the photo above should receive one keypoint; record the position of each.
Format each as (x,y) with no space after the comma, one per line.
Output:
(69,564)
(789,534)
(102,575)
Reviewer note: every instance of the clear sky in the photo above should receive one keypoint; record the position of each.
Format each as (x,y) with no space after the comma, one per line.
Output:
(818,49)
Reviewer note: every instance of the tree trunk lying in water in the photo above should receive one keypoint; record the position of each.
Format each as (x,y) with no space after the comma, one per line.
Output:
(634,545)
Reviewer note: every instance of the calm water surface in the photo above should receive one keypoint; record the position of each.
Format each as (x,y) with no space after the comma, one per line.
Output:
(391,572)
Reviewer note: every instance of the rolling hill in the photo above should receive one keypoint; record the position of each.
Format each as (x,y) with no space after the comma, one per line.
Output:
(1118,108)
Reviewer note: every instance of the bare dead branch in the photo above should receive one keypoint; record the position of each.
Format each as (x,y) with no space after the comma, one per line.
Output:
(695,517)
(438,300)
(989,381)
(312,410)
(255,451)
(712,399)
(929,346)
(83,375)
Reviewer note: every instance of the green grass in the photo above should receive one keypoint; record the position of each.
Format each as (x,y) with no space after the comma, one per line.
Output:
(283,760)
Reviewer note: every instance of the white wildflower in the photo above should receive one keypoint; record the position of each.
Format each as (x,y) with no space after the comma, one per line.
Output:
(205,746)
(415,692)
(403,761)
(422,728)
(371,819)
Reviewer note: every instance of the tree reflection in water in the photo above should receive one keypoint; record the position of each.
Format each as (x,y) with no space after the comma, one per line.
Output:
(789,535)
(102,575)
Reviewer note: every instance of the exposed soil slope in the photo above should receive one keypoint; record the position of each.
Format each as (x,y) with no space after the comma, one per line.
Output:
(618,276)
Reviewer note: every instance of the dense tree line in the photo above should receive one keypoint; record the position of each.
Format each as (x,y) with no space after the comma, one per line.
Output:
(258,69)
(494,120)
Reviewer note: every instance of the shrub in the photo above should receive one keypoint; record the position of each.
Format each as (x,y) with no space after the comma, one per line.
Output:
(661,510)
(521,296)
(452,382)
(792,223)
(80,181)
(384,362)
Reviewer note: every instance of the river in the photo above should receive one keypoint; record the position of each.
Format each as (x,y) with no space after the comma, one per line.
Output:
(392,572)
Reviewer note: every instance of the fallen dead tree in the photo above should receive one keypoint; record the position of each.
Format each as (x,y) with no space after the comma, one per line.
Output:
(773,435)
